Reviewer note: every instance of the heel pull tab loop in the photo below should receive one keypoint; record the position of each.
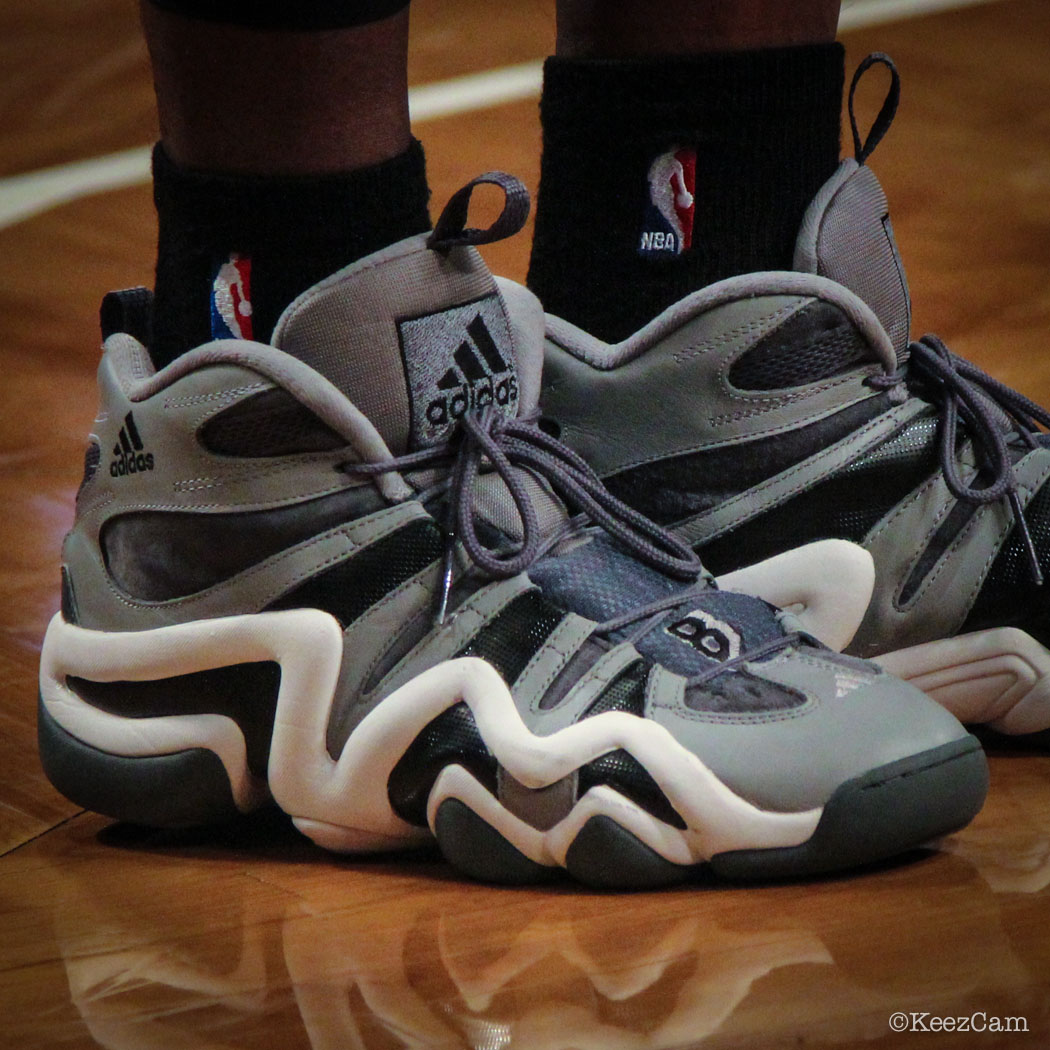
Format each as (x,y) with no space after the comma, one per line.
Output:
(451,228)
(889,107)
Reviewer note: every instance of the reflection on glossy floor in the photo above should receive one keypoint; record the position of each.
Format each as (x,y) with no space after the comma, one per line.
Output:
(251,937)
(257,939)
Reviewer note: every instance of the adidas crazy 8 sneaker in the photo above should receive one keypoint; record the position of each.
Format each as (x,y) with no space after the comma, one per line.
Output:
(339,572)
(794,408)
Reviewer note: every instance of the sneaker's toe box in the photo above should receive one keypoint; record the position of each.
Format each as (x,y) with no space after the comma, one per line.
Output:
(847,721)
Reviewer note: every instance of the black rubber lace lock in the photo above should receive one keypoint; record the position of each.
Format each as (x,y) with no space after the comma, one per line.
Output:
(886,114)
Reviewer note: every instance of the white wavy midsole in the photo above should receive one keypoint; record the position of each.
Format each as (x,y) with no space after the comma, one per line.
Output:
(343,803)
(826,584)
(1000,677)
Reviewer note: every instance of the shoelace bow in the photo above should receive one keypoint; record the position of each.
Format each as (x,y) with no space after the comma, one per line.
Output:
(965,391)
(491,441)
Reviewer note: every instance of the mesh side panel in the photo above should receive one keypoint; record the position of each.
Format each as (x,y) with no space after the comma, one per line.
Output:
(247,693)
(816,343)
(508,641)
(625,693)
(957,519)
(678,486)
(915,443)
(271,423)
(619,769)
(625,774)
(740,693)
(450,739)
(845,506)
(511,638)
(579,664)
(1009,598)
(92,456)
(354,585)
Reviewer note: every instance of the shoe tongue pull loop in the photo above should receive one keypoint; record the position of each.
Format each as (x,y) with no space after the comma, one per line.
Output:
(451,228)
(885,115)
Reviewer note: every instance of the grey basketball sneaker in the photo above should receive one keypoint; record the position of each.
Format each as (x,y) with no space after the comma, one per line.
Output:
(339,572)
(792,407)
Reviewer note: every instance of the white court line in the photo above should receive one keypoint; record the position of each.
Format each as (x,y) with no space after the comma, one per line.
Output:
(22,196)
(860,13)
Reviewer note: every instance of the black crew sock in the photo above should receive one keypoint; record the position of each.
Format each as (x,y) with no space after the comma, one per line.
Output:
(616,240)
(285,233)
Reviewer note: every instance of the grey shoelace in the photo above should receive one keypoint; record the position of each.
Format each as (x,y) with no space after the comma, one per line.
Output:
(964,391)
(490,440)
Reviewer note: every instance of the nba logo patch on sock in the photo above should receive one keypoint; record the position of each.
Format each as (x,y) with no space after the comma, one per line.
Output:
(668,225)
(231,299)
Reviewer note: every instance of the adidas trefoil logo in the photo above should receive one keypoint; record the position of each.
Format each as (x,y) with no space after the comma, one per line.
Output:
(129,455)
(475,380)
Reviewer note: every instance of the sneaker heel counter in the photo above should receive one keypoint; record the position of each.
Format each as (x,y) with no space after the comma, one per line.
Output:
(123,362)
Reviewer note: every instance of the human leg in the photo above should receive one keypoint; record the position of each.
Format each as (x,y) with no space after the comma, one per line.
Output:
(740,103)
(285,143)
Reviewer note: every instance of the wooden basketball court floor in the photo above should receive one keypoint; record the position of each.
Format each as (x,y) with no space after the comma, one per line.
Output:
(250,937)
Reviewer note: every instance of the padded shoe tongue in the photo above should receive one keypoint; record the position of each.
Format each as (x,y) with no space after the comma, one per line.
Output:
(416,336)
(847,236)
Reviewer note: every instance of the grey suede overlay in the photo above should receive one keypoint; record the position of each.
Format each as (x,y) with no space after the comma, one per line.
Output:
(748,286)
(167,410)
(458,629)
(540,807)
(728,515)
(940,605)
(368,641)
(793,761)
(548,662)
(677,397)
(580,697)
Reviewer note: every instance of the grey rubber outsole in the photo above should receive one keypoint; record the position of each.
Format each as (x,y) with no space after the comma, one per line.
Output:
(477,849)
(892,809)
(885,812)
(184,789)
(888,811)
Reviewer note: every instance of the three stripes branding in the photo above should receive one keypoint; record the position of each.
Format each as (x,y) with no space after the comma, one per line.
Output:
(454,364)
(129,456)
(473,381)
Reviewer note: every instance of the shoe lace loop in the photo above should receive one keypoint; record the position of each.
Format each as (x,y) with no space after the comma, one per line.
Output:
(981,401)
(490,440)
